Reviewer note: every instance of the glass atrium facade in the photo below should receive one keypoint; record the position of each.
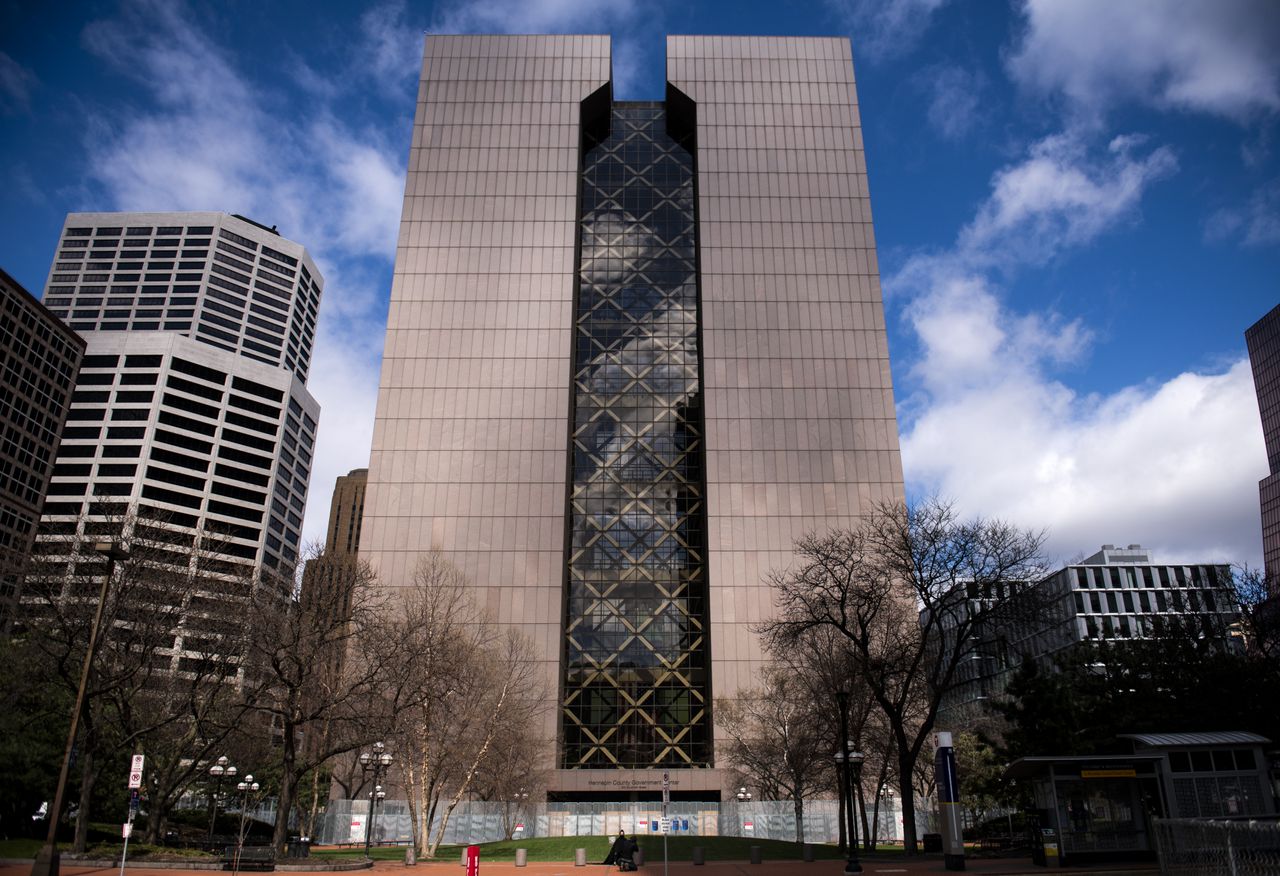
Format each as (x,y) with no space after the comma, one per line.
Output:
(635,692)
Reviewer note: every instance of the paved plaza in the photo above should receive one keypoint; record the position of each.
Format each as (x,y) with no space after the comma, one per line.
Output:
(903,866)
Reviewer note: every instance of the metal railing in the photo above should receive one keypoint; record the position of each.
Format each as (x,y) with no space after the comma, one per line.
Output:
(1217,847)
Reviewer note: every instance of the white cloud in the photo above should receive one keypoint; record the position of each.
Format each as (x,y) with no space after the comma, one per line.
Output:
(1257,223)
(537,16)
(954,100)
(208,140)
(390,48)
(16,84)
(883,29)
(1173,466)
(631,23)
(1220,57)
(1062,194)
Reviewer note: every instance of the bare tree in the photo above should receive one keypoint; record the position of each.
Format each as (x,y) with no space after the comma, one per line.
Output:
(1258,598)
(327,681)
(148,682)
(775,739)
(513,773)
(909,589)
(473,687)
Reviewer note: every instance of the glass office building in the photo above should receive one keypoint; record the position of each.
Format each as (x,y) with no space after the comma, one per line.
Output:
(634,350)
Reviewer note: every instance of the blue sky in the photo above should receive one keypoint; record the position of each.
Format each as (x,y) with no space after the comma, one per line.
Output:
(1077,207)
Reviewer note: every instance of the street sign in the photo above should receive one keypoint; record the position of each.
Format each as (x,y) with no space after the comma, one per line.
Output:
(133,800)
(135,771)
(664,825)
(666,787)
(126,829)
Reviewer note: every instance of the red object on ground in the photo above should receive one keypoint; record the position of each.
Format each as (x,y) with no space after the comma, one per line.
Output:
(473,861)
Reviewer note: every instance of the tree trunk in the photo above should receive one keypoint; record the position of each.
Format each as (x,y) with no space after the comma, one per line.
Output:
(908,800)
(799,803)
(841,844)
(875,821)
(88,776)
(860,803)
(288,786)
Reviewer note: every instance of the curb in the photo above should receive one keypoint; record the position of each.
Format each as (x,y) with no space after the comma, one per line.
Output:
(105,864)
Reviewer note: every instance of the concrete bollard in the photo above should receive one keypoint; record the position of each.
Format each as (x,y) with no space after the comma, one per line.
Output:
(807,853)
(410,856)
(755,854)
(522,857)
(699,858)
(579,857)
(638,857)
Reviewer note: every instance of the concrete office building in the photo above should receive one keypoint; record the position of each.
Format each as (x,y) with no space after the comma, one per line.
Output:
(39,358)
(1263,341)
(634,350)
(1116,594)
(326,582)
(191,406)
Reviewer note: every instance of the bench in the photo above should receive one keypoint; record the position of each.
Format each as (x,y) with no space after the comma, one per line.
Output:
(250,858)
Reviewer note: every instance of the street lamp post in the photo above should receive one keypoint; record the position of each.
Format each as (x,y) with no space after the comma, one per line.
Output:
(842,787)
(744,796)
(519,798)
(849,766)
(47,859)
(376,761)
(220,770)
(853,773)
(247,787)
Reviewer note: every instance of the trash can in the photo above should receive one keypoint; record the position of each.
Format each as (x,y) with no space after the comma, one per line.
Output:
(932,842)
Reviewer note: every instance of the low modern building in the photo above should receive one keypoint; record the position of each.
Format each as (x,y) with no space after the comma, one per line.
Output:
(1101,807)
(39,359)
(1116,594)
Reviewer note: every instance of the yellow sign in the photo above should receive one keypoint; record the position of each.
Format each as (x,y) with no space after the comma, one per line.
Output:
(1109,774)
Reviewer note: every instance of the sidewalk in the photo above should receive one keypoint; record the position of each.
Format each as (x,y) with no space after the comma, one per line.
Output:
(879,865)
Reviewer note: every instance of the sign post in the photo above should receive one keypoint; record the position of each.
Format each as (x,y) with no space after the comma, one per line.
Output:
(666,822)
(135,782)
(948,786)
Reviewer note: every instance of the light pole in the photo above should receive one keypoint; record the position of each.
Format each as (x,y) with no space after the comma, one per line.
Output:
(47,861)
(247,787)
(842,788)
(376,761)
(519,798)
(220,770)
(853,773)
(744,796)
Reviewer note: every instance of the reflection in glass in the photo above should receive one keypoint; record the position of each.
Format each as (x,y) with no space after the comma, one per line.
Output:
(636,687)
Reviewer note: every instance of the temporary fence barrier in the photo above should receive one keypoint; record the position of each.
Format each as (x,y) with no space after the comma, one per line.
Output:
(1217,847)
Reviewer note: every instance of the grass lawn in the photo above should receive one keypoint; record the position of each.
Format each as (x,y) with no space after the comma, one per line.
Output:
(27,848)
(679,848)
(20,848)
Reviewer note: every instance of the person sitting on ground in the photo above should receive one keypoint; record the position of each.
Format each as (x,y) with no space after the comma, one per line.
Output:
(621,848)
